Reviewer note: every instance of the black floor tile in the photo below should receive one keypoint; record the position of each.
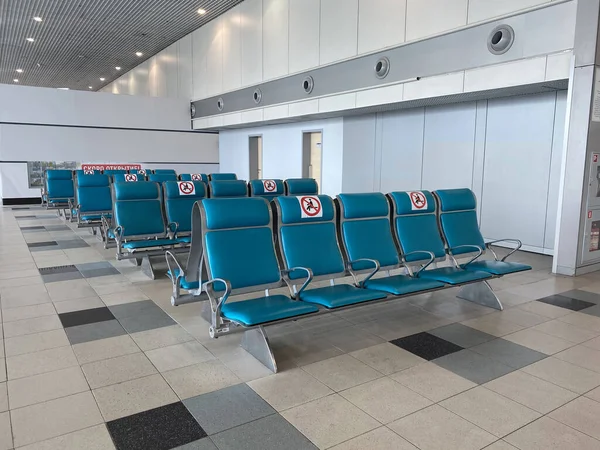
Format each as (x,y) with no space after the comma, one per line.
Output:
(41,244)
(86,316)
(426,345)
(57,228)
(22,208)
(25,217)
(36,228)
(566,302)
(161,428)
(57,269)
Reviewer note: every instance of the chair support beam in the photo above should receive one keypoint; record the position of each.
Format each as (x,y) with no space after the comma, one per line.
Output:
(480,293)
(256,342)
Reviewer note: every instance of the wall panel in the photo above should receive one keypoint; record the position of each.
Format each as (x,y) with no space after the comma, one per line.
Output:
(214,57)
(252,53)
(185,68)
(359,165)
(339,32)
(429,17)
(171,62)
(381,23)
(485,9)
(232,50)
(275,38)
(304,34)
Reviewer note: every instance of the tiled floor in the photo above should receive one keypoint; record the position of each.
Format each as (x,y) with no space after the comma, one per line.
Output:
(93,356)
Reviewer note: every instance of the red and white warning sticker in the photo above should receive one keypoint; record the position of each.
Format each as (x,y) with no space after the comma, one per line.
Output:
(269,185)
(196,177)
(418,201)
(88,171)
(186,188)
(130,177)
(310,206)
(142,171)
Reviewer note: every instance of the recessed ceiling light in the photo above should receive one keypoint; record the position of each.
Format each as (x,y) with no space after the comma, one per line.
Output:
(37,18)
(63,89)
(90,87)
(30,39)
(139,54)
(102,79)
(201,11)
(20,70)
(16,80)
(118,68)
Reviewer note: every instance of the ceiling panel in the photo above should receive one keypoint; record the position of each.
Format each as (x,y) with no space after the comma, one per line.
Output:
(79,41)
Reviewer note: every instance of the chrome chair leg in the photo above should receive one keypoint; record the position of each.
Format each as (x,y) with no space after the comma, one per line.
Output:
(256,342)
(480,293)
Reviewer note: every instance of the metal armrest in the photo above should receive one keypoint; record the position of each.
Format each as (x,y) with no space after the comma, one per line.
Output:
(489,246)
(173,258)
(420,252)
(475,247)
(290,284)
(173,227)
(350,269)
(214,304)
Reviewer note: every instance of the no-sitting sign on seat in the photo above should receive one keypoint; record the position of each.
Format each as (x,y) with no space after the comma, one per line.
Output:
(310,206)
(130,177)
(186,188)
(269,186)
(418,201)
(196,177)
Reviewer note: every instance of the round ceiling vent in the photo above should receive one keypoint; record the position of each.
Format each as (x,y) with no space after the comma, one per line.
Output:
(308,84)
(501,39)
(193,110)
(382,68)
(220,104)
(257,96)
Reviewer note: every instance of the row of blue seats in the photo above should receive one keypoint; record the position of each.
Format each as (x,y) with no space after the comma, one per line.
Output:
(316,238)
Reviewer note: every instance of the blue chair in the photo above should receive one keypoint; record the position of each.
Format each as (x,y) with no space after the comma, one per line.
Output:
(162,177)
(114,172)
(138,222)
(128,177)
(268,189)
(60,192)
(237,236)
(301,186)
(307,238)
(366,236)
(143,172)
(93,200)
(194,177)
(80,172)
(458,222)
(416,231)
(227,189)
(165,172)
(179,204)
(222,177)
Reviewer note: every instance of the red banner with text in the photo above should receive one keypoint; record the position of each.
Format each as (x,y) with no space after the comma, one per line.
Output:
(111,166)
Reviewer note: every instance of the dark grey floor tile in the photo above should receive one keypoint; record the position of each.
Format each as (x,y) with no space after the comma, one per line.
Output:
(94,265)
(582,295)
(566,302)
(135,309)
(426,345)
(72,243)
(462,335)
(202,444)
(227,408)
(269,433)
(473,366)
(28,217)
(57,269)
(86,316)
(42,244)
(592,311)
(161,428)
(20,208)
(145,322)
(509,353)
(94,331)
(32,229)
(57,228)
(99,272)
(66,276)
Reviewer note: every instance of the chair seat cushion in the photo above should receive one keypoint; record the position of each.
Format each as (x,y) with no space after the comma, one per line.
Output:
(88,217)
(111,233)
(183,283)
(262,310)
(149,243)
(497,267)
(402,284)
(339,295)
(184,239)
(453,275)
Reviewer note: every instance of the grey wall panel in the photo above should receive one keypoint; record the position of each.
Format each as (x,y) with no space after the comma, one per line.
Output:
(359,153)
(517,168)
(538,32)
(479,151)
(402,150)
(448,146)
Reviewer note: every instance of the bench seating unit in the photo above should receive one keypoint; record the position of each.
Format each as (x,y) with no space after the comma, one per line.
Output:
(165,172)
(301,186)
(138,222)
(306,237)
(366,236)
(93,201)
(60,192)
(128,177)
(268,189)
(162,177)
(194,177)
(179,198)
(460,230)
(237,236)
(114,172)
(227,189)
(222,177)
(142,172)
(417,234)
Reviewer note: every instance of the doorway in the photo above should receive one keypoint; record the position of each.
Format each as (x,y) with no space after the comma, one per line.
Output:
(256,160)
(312,153)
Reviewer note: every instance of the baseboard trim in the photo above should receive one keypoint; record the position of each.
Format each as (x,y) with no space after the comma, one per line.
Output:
(22,201)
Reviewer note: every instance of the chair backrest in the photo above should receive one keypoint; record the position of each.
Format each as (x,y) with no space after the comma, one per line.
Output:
(114,172)
(365,231)
(307,235)
(457,210)
(143,172)
(92,193)
(227,188)
(237,234)
(180,197)
(162,177)
(268,189)
(415,224)
(138,209)
(59,184)
(80,172)
(128,177)
(222,177)
(301,186)
(194,177)
(164,171)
